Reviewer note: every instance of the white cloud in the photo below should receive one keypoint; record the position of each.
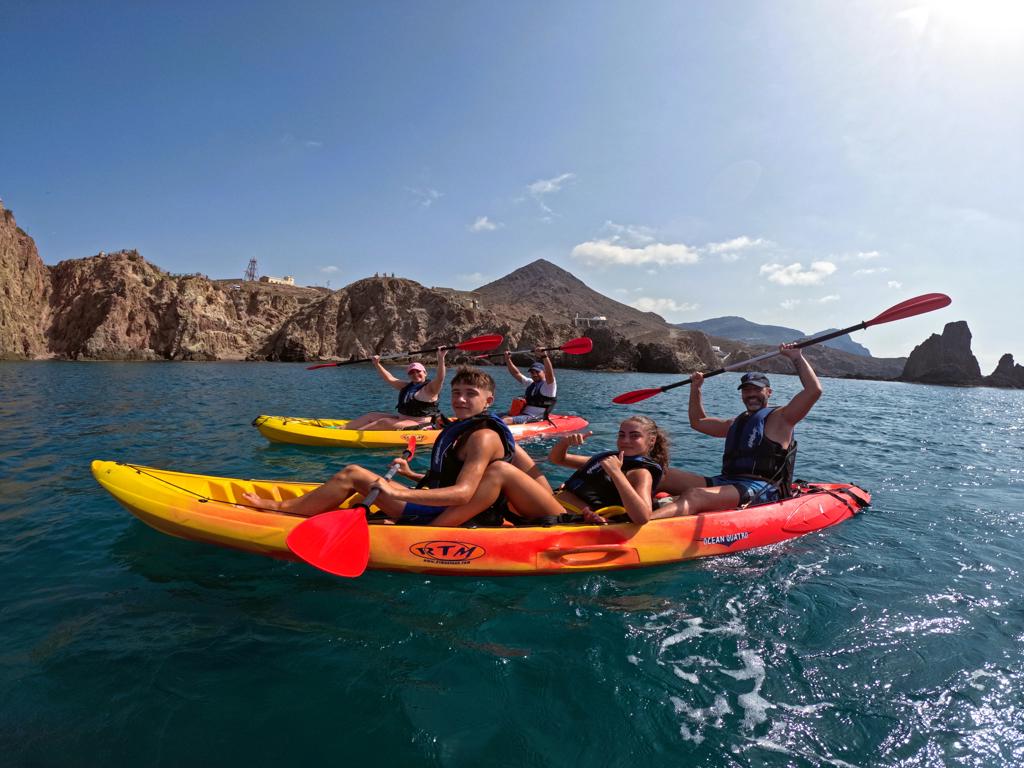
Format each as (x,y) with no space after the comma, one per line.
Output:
(795,274)
(599,252)
(484,224)
(290,141)
(868,255)
(789,303)
(661,306)
(542,187)
(730,250)
(895,284)
(828,299)
(629,234)
(426,196)
(871,271)
(330,270)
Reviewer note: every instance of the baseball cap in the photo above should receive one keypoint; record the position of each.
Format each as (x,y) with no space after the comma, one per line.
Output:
(415,367)
(754,379)
(537,367)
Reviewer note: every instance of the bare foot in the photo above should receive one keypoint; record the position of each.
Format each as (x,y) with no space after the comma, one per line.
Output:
(260,503)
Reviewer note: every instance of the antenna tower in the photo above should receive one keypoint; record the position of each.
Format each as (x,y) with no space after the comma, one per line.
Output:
(250,271)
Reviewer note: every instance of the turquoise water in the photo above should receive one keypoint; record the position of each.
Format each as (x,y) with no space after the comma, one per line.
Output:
(896,638)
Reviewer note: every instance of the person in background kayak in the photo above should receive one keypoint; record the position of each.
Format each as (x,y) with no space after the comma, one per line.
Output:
(541,389)
(417,397)
(625,478)
(474,464)
(760,449)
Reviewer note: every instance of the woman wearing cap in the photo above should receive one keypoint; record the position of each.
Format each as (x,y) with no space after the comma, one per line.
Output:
(417,397)
(760,448)
(541,389)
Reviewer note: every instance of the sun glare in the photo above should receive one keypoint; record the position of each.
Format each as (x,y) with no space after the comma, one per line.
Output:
(982,22)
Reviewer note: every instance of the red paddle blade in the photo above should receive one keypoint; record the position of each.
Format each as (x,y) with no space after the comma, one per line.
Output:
(321,365)
(410,449)
(579,346)
(481,343)
(337,542)
(635,396)
(916,306)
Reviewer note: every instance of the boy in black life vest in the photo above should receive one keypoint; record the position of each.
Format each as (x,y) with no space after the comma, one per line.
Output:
(760,449)
(541,388)
(474,464)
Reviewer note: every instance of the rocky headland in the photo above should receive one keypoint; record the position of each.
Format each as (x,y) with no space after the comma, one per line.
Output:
(119,306)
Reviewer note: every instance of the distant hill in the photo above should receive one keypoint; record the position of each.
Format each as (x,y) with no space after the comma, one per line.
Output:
(740,329)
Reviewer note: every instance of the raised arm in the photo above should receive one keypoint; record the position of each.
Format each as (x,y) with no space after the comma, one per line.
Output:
(516,373)
(549,369)
(804,400)
(559,452)
(385,374)
(433,390)
(699,420)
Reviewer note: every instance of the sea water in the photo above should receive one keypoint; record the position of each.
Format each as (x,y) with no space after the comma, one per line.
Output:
(895,638)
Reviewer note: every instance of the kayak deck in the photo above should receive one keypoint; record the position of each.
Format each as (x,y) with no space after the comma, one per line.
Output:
(332,432)
(205,508)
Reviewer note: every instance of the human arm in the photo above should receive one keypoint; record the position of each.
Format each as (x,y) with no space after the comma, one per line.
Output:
(549,369)
(634,489)
(699,420)
(516,373)
(480,449)
(433,389)
(385,374)
(559,452)
(804,400)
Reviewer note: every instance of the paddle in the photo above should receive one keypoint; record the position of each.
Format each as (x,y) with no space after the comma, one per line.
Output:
(577,346)
(339,541)
(476,344)
(909,308)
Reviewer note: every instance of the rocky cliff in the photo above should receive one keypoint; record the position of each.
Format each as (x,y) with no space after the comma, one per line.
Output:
(945,359)
(24,296)
(1006,374)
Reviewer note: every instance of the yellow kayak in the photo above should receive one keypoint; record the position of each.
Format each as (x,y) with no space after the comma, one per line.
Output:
(204,508)
(332,432)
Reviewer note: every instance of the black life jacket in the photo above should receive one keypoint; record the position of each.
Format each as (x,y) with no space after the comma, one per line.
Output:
(748,451)
(410,406)
(536,399)
(445,465)
(591,485)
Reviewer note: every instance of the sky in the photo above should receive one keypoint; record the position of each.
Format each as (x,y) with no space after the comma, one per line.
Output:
(806,164)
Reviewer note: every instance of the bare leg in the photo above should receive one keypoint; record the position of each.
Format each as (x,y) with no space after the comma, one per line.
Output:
(693,501)
(676,481)
(349,480)
(530,498)
(365,420)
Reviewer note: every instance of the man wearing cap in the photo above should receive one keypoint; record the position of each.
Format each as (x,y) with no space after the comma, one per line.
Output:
(541,390)
(757,464)
(417,397)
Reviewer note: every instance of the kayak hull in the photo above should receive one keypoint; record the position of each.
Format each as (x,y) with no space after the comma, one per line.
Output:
(202,508)
(331,433)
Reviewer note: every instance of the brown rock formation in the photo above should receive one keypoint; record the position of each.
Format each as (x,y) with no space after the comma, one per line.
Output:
(25,281)
(945,359)
(1006,374)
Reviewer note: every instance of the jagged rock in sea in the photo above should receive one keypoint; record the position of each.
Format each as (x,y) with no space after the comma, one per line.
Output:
(945,359)
(24,297)
(1006,374)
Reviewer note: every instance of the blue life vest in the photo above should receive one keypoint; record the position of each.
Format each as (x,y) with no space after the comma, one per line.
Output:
(410,406)
(536,399)
(591,485)
(749,452)
(445,466)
